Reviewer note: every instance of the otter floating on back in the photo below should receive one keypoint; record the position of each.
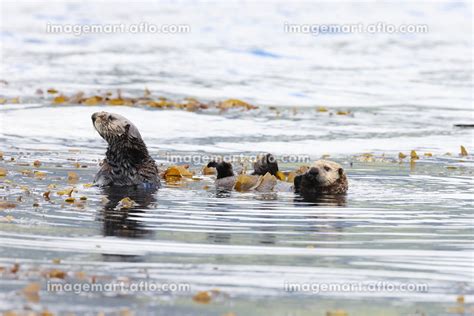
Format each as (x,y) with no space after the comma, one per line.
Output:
(127,161)
(323,177)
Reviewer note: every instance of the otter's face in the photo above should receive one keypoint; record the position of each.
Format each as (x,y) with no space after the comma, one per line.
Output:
(112,126)
(323,173)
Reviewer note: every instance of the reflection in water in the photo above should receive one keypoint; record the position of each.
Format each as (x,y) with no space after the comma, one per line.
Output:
(220,237)
(321,200)
(222,194)
(119,222)
(267,237)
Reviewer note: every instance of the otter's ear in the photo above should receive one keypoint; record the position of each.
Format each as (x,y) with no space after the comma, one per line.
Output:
(340,171)
(297,183)
(132,131)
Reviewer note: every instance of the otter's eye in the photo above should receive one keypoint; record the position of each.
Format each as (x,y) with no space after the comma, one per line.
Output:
(327,168)
(111,118)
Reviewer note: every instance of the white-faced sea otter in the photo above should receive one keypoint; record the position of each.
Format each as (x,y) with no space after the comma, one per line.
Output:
(322,177)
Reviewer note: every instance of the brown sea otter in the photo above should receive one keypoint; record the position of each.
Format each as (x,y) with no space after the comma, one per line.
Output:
(323,177)
(127,160)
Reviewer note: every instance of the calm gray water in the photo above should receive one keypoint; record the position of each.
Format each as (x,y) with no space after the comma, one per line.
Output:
(401,223)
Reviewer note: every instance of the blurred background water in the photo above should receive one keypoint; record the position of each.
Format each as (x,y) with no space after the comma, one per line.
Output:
(400,223)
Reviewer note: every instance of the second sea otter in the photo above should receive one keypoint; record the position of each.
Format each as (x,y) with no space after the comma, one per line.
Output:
(322,177)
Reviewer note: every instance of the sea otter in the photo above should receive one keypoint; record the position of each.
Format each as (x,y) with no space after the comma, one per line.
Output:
(265,163)
(127,160)
(323,177)
(225,175)
(227,181)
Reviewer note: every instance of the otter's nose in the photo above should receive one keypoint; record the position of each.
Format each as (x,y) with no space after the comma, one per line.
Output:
(313,171)
(94,116)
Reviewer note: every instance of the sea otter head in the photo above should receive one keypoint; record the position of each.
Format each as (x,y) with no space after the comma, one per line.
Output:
(113,126)
(125,144)
(265,163)
(224,168)
(322,177)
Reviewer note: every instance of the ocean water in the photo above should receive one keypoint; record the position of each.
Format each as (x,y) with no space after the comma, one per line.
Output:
(401,223)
